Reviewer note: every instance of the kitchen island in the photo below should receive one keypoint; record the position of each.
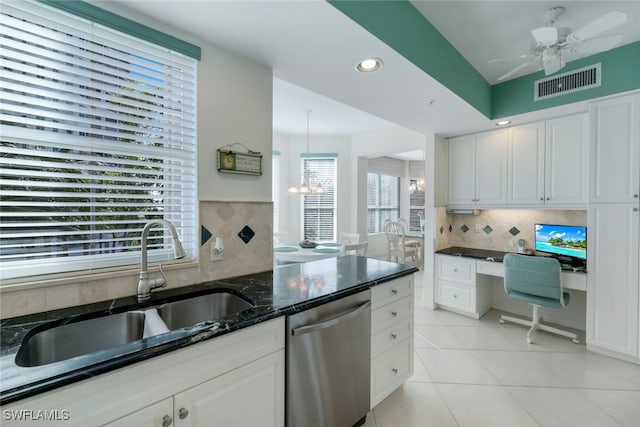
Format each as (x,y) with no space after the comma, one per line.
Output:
(273,294)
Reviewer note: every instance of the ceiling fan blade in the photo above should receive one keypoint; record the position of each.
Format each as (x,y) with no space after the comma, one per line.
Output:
(600,25)
(517,69)
(546,36)
(509,58)
(599,44)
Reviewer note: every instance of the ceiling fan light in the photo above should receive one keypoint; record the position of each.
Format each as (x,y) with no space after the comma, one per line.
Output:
(551,61)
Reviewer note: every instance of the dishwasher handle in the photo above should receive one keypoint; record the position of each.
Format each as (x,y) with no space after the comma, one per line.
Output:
(331,322)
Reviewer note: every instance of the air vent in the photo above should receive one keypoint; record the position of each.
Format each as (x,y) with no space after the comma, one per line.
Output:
(573,81)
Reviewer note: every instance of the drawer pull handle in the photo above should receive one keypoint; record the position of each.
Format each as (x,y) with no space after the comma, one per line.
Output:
(455,270)
(395,371)
(167,421)
(183,413)
(635,196)
(455,295)
(394,291)
(542,199)
(394,336)
(394,313)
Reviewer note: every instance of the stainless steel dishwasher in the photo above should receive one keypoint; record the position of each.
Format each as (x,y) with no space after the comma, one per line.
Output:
(328,363)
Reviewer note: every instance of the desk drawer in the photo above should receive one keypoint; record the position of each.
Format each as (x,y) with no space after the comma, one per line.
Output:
(456,296)
(457,269)
(391,291)
(490,268)
(388,337)
(385,316)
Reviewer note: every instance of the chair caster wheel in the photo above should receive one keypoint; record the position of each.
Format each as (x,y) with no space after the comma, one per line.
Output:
(576,341)
(530,341)
(501,321)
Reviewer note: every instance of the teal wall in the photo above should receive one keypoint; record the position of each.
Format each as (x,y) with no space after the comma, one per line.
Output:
(620,73)
(402,27)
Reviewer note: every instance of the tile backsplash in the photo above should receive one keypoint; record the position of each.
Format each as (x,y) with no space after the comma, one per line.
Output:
(498,229)
(229,220)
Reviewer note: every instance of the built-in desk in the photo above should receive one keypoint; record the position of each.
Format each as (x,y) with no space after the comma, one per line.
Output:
(464,277)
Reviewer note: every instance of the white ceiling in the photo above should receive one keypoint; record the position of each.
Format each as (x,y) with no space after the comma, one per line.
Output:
(312,49)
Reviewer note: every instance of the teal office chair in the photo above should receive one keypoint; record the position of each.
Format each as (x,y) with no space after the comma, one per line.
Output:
(537,281)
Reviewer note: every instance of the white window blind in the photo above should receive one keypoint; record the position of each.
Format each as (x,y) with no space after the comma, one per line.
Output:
(319,211)
(275,191)
(383,200)
(98,137)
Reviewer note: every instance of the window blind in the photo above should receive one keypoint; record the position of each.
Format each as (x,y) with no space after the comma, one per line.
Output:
(319,211)
(383,200)
(98,137)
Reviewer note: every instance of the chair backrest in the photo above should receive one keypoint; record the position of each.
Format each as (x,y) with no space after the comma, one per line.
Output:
(395,235)
(349,238)
(356,249)
(532,275)
(403,223)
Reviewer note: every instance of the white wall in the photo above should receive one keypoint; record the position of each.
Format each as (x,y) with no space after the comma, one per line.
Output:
(291,173)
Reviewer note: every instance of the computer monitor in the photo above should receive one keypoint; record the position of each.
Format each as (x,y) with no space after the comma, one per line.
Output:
(568,243)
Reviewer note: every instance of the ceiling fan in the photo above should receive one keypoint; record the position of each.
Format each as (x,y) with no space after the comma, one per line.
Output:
(551,43)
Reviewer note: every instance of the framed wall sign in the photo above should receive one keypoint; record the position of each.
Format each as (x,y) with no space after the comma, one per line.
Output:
(236,162)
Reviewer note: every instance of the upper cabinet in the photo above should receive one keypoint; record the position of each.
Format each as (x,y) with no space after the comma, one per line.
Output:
(537,164)
(615,150)
(478,169)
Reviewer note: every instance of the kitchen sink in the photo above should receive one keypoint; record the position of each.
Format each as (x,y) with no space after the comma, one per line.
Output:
(78,338)
(194,310)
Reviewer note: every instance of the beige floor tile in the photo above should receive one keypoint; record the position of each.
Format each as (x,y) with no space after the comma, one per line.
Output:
(414,404)
(544,341)
(370,421)
(484,406)
(425,316)
(623,406)
(434,336)
(585,370)
(454,366)
(518,368)
(420,373)
(559,407)
(482,338)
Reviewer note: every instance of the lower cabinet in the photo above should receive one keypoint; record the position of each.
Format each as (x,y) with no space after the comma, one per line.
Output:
(247,396)
(456,283)
(233,380)
(391,336)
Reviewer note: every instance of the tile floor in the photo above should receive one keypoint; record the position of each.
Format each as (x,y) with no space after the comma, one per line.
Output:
(479,373)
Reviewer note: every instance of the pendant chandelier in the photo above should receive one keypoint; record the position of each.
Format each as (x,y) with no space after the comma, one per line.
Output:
(305,188)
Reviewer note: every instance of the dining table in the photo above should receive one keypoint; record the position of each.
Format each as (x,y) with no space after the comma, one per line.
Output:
(288,253)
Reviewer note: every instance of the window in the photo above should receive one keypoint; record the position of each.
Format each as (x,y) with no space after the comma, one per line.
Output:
(319,210)
(383,200)
(416,204)
(98,138)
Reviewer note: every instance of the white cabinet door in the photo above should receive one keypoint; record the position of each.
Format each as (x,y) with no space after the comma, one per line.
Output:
(462,170)
(157,415)
(491,168)
(615,150)
(566,160)
(252,395)
(526,165)
(612,283)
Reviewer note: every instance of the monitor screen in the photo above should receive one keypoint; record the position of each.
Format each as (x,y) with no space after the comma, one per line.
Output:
(562,240)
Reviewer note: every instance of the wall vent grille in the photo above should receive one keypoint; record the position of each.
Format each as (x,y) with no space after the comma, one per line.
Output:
(572,81)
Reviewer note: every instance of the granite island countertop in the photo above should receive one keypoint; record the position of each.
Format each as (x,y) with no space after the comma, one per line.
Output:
(285,290)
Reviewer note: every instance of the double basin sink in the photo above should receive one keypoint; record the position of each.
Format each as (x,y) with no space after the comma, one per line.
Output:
(82,337)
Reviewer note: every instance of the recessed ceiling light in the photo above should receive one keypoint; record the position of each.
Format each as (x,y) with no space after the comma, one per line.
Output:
(369,65)
(503,122)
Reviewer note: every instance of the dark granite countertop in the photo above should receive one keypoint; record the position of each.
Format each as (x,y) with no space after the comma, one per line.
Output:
(287,289)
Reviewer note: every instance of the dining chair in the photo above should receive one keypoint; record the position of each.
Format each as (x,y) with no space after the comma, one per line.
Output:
(538,281)
(349,238)
(356,249)
(396,242)
(411,243)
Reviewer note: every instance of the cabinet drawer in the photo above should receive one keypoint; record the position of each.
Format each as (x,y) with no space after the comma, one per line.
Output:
(387,315)
(457,269)
(490,268)
(391,291)
(457,296)
(390,369)
(388,337)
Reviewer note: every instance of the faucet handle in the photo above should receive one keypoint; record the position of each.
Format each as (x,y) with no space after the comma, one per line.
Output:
(159,282)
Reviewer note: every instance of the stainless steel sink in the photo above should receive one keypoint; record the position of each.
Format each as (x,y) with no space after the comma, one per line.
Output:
(83,337)
(194,310)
